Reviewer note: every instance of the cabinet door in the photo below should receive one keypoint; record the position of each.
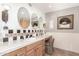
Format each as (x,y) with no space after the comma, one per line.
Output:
(14,53)
(18,52)
(30,52)
(21,52)
(39,50)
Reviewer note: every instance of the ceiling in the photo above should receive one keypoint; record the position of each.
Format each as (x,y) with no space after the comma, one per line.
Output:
(50,7)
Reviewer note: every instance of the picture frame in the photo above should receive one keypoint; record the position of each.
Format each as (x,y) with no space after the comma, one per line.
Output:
(5,16)
(65,22)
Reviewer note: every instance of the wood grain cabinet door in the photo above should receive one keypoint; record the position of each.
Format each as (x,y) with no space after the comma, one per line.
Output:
(21,52)
(39,50)
(31,52)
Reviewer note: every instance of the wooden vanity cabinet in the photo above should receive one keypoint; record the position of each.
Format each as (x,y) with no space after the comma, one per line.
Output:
(35,49)
(30,50)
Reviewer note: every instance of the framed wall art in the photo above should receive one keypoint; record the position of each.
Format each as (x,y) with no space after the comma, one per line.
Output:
(5,16)
(65,22)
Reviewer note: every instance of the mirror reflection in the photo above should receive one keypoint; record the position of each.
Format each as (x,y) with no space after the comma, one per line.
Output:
(23,17)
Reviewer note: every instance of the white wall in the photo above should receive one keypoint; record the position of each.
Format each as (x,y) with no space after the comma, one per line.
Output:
(65,39)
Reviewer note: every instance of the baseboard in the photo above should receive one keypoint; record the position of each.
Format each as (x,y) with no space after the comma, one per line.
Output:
(66,50)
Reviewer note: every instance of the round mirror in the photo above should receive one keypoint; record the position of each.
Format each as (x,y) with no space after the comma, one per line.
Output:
(23,17)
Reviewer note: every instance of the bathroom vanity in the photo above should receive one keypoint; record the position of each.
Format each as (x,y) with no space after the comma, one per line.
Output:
(29,47)
(34,49)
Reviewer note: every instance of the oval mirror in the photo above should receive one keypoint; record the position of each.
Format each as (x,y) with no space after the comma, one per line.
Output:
(23,17)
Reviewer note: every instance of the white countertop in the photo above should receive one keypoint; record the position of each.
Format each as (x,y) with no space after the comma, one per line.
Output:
(6,48)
